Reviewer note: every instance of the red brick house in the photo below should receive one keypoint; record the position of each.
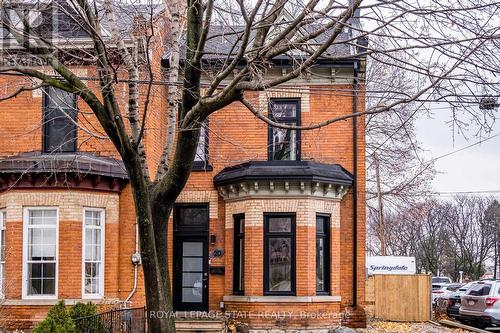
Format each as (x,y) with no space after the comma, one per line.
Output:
(271,220)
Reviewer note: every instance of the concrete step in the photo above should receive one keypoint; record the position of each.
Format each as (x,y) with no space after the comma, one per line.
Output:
(200,326)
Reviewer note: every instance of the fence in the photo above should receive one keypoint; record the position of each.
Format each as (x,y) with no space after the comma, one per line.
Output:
(114,321)
(399,297)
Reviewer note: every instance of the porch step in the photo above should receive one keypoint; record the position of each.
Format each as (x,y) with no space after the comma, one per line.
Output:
(200,326)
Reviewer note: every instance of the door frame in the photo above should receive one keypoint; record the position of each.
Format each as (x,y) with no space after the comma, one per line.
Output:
(189,234)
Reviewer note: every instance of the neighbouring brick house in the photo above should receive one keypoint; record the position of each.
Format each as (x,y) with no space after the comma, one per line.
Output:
(270,220)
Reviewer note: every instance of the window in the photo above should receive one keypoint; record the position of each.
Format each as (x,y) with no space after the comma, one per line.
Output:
(3,218)
(284,144)
(201,157)
(59,118)
(93,253)
(239,248)
(479,289)
(40,253)
(322,254)
(279,254)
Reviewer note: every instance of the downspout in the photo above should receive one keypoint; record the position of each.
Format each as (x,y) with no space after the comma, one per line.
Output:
(136,261)
(355,187)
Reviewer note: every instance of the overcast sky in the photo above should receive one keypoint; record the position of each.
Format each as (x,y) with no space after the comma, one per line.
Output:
(473,169)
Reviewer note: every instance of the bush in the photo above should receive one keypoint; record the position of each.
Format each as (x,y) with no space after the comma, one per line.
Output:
(80,310)
(58,320)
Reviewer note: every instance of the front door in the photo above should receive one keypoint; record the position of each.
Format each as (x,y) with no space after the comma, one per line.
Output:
(190,285)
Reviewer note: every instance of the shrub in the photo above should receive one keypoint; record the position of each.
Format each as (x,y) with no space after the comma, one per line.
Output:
(80,310)
(58,320)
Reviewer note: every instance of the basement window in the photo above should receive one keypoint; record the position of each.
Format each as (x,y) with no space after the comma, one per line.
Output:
(284,144)
(279,254)
(40,252)
(93,240)
(59,121)
(3,217)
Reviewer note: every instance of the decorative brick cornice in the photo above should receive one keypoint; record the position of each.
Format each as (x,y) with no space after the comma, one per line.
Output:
(281,189)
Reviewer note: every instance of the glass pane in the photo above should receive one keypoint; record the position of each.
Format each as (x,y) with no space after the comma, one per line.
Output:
(35,270)
(320,224)
(49,286)
(93,218)
(320,264)
(3,218)
(96,255)
(191,279)
(284,144)
(241,226)
(49,270)
(280,224)
(58,98)
(192,295)
(281,109)
(192,264)
(201,149)
(241,266)
(39,216)
(35,286)
(193,215)
(280,264)
(192,249)
(2,245)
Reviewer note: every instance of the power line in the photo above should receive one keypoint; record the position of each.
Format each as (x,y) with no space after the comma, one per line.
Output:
(463,148)
(468,192)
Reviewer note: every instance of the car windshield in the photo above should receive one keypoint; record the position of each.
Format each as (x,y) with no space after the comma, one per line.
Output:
(479,289)
(440,280)
(464,288)
(452,288)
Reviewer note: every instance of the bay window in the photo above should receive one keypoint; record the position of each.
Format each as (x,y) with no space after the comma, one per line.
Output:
(279,254)
(40,252)
(93,253)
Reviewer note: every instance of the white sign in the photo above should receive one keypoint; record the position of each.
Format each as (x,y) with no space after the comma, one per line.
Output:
(390,265)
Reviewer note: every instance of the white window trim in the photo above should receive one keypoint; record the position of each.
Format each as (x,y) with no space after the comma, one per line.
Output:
(103,245)
(3,227)
(25,254)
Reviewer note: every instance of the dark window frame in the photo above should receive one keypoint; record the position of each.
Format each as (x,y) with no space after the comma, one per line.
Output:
(238,254)
(267,236)
(46,124)
(203,165)
(296,120)
(326,236)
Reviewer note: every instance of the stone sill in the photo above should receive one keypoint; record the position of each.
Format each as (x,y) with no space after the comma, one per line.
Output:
(49,302)
(282,299)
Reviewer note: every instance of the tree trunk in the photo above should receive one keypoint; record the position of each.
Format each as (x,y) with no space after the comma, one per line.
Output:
(159,318)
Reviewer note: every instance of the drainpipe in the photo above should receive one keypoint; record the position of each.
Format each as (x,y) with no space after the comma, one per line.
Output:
(355,188)
(136,261)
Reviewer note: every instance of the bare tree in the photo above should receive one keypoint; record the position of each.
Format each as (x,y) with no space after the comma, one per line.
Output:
(457,64)
(397,177)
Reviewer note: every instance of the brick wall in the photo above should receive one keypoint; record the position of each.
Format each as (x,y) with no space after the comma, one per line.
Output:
(235,136)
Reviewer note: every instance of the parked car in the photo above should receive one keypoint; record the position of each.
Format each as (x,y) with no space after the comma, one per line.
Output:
(454,301)
(442,294)
(480,305)
(440,281)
